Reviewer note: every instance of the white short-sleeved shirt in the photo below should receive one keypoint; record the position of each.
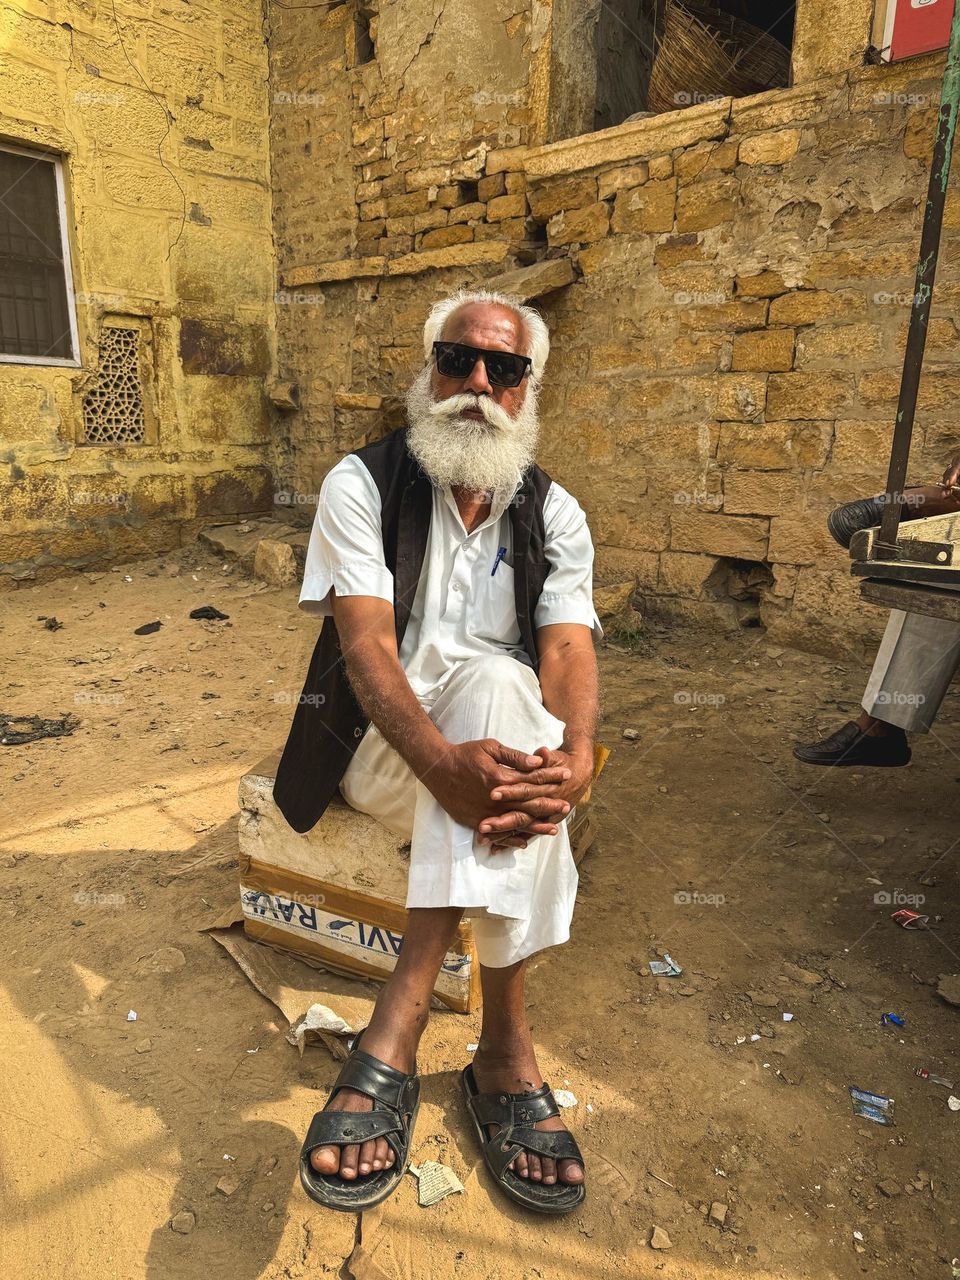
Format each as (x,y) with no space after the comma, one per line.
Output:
(464,607)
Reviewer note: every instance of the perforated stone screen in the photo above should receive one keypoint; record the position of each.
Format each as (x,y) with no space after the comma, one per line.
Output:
(113,409)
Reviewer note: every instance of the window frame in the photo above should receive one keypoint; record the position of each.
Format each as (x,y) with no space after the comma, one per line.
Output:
(60,362)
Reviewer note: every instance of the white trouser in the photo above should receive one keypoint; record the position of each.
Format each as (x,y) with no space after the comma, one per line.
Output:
(915,663)
(519,900)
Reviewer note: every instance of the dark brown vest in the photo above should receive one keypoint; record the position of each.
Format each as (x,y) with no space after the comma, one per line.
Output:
(329,722)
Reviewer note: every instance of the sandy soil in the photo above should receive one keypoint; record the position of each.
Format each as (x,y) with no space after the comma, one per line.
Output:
(714,844)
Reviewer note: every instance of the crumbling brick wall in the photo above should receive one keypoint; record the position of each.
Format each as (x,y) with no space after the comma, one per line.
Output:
(726,362)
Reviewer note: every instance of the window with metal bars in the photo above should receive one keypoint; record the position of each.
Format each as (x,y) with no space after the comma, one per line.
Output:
(37,323)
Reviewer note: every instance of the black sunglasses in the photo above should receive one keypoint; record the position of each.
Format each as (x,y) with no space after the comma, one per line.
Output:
(504,368)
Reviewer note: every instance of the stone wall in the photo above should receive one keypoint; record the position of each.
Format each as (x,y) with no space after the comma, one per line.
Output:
(729,360)
(160,113)
(727,357)
(728,285)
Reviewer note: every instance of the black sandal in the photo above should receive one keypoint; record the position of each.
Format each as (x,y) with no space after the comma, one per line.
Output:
(516,1114)
(396,1099)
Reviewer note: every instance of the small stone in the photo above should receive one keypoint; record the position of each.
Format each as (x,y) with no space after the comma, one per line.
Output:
(686,991)
(762,1000)
(889,1187)
(659,1239)
(805,976)
(228,1184)
(717,1214)
(143,1046)
(583,1052)
(824,817)
(268,1207)
(275,563)
(183,1222)
(172,570)
(631,735)
(948,987)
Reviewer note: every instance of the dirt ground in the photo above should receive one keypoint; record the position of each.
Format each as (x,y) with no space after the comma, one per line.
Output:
(714,844)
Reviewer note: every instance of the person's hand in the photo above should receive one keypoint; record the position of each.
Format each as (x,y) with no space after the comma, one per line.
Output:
(512,827)
(467,774)
(929,500)
(952,473)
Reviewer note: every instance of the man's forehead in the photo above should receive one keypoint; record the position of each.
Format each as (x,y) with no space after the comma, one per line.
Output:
(485,324)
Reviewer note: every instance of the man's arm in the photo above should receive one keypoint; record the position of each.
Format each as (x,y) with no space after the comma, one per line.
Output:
(460,775)
(569,686)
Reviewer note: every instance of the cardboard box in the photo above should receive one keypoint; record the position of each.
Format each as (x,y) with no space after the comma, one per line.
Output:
(334,895)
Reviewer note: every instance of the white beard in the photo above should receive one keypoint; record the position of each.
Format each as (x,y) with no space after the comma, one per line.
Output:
(484,457)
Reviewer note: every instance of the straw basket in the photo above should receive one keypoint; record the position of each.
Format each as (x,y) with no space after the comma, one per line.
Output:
(705,54)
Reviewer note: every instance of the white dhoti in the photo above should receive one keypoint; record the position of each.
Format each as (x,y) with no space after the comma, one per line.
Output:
(917,659)
(519,900)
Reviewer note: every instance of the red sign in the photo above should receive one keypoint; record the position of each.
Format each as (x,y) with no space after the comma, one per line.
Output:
(915,26)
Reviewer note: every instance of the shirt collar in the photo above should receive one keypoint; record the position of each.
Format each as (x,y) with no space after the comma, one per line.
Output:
(501,501)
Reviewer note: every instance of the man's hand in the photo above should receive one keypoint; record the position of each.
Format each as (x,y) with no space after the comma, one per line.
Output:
(468,777)
(952,473)
(523,797)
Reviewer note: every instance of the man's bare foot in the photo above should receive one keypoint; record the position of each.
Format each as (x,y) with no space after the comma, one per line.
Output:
(515,1070)
(397,1048)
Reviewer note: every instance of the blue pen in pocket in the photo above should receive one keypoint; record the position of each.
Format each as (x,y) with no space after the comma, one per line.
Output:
(496,564)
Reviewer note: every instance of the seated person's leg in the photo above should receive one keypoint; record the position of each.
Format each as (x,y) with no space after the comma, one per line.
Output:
(495,697)
(915,663)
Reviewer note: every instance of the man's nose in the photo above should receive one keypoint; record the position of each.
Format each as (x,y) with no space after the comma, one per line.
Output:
(478,383)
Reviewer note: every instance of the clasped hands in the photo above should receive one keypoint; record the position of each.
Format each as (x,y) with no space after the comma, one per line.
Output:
(507,796)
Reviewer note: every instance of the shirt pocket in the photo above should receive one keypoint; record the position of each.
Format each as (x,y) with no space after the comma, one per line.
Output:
(497,615)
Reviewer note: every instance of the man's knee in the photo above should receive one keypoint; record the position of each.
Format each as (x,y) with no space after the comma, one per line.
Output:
(499,675)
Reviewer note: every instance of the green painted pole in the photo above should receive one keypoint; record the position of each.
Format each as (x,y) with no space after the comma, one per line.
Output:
(885,546)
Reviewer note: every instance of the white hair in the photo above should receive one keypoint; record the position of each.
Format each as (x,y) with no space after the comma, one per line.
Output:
(536,333)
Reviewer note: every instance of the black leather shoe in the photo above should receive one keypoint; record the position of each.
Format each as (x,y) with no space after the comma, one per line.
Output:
(851,746)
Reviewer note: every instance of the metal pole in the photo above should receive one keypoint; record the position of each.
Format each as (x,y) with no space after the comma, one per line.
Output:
(885,546)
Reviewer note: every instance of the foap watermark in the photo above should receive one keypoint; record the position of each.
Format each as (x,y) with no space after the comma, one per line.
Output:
(296,98)
(697,498)
(691,97)
(93,299)
(93,898)
(694,898)
(898,898)
(95,97)
(698,698)
(684,299)
(896,698)
(290,498)
(95,498)
(885,298)
(90,698)
(296,298)
(287,699)
(900,99)
(484,98)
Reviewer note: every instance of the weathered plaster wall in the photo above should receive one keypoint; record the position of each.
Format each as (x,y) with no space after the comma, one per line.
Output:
(184,247)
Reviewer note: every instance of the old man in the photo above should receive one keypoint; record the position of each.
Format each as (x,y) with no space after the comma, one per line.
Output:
(453,696)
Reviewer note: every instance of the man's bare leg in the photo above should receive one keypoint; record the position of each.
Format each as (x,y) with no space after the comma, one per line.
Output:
(506,1061)
(871,725)
(399,1017)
